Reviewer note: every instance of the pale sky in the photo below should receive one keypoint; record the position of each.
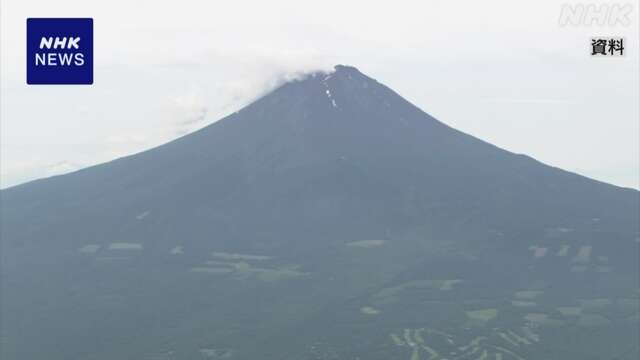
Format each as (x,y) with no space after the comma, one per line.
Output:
(504,71)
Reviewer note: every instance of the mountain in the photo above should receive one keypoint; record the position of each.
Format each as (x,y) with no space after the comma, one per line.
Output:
(329,219)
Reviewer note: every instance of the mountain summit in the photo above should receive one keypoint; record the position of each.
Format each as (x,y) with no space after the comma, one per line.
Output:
(329,219)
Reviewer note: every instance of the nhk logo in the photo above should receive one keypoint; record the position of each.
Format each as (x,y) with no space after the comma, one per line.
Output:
(59,51)
(57,58)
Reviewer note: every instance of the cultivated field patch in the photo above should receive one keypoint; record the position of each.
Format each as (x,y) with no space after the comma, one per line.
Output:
(89,249)
(125,246)
(366,243)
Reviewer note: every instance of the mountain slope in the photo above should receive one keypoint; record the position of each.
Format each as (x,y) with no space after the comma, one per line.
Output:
(317,196)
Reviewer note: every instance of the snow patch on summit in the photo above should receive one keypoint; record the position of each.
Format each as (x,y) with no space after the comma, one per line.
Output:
(328,92)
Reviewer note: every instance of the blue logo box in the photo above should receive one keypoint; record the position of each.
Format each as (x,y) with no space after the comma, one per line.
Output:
(59,51)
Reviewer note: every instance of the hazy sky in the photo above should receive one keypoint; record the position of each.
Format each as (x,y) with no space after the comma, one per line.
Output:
(504,71)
